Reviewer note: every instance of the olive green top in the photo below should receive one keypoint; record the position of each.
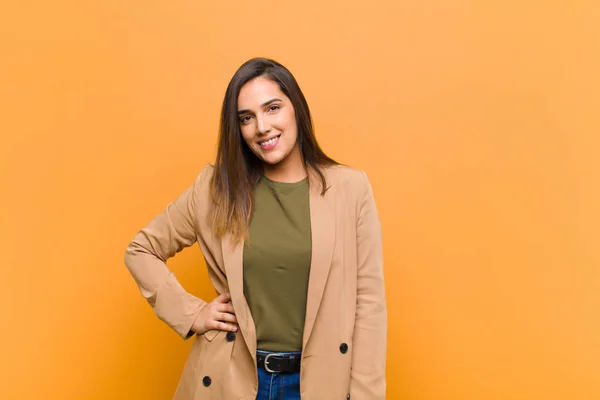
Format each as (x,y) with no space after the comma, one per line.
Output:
(277,263)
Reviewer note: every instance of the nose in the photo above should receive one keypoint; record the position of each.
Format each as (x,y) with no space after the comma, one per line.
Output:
(262,126)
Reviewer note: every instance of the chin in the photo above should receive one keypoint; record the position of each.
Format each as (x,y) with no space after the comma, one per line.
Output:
(272,161)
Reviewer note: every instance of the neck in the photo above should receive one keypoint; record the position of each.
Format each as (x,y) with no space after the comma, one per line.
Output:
(292,169)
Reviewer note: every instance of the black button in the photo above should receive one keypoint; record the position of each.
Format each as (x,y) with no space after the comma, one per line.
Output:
(230,336)
(348,397)
(206,381)
(344,348)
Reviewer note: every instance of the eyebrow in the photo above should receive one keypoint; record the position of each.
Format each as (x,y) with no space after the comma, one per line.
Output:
(262,105)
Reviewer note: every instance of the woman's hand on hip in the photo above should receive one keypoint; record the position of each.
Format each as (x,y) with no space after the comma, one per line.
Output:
(218,314)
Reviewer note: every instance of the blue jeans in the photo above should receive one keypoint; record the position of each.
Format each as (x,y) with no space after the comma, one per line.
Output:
(278,386)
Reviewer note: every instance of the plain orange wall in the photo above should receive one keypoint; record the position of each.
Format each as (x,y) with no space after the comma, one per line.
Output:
(477,123)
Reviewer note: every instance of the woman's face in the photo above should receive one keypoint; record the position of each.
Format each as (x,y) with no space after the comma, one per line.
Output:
(268,122)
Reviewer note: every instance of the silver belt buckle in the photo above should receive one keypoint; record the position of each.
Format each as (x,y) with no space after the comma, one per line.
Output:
(267,362)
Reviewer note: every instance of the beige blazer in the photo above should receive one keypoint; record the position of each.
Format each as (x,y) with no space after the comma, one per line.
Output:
(344,345)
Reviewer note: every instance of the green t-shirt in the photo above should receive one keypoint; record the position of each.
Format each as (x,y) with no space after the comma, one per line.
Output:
(277,263)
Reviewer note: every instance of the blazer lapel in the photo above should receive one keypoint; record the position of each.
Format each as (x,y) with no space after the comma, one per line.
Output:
(322,218)
(233,259)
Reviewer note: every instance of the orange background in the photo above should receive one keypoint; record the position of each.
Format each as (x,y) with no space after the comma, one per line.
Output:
(476,122)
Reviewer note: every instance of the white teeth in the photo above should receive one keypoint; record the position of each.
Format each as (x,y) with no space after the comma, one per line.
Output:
(268,142)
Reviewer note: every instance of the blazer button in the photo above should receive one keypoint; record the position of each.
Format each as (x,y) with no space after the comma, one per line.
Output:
(206,381)
(230,336)
(348,397)
(343,348)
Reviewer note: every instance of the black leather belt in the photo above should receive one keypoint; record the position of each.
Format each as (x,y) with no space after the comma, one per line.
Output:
(275,362)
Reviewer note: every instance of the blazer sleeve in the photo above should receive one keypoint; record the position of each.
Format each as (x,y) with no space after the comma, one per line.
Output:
(370,328)
(167,234)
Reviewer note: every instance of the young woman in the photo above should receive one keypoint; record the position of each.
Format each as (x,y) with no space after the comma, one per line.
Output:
(292,242)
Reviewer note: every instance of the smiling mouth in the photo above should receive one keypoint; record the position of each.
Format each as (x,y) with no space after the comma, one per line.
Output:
(269,142)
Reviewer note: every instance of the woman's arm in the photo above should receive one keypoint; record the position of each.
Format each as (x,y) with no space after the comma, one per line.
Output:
(145,257)
(370,328)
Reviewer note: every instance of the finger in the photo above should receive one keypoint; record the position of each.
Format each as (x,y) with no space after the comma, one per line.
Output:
(223,298)
(224,326)
(225,307)
(226,317)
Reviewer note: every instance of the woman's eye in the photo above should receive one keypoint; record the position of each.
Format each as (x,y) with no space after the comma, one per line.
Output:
(274,107)
(245,119)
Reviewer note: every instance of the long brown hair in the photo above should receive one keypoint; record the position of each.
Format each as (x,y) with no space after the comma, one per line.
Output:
(237,169)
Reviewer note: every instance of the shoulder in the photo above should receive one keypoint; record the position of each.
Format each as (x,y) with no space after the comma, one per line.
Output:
(206,174)
(343,174)
(347,180)
(203,179)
